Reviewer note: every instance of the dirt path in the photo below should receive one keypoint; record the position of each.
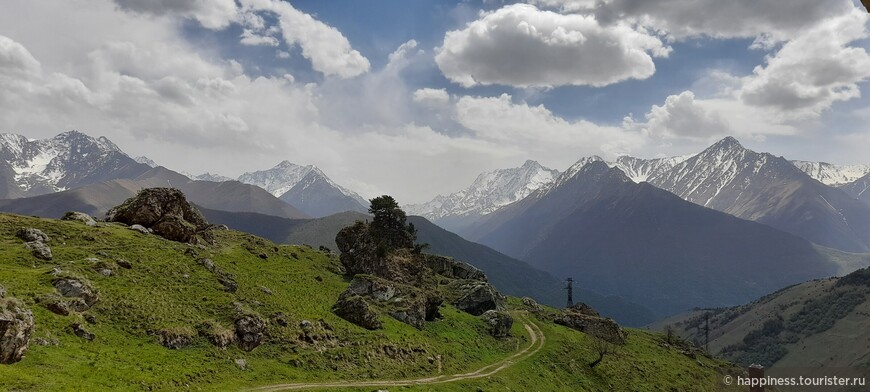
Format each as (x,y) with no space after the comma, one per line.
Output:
(537,342)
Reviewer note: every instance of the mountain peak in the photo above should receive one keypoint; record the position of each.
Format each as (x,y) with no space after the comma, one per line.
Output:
(285,164)
(729,143)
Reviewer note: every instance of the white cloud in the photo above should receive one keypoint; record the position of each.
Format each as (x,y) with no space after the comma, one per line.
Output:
(329,51)
(536,131)
(520,45)
(814,69)
(779,19)
(251,38)
(682,116)
(431,96)
(211,14)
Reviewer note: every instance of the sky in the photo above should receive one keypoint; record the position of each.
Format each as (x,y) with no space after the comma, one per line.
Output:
(416,98)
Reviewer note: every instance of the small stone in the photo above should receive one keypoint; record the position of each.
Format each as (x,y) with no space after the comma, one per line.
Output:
(124,264)
(79,217)
(266,290)
(2,291)
(281,319)
(318,278)
(81,332)
(106,272)
(241,363)
(40,250)
(141,229)
(90,319)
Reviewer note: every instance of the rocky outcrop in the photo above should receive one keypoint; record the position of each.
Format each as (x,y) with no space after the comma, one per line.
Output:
(79,217)
(217,334)
(360,255)
(177,338)
(72,287)
(16,327)
(29,234)
(499,323)
(408,304)
(532,305)
(36,241)
(477,297)
(357,310)
(249,331)
(451,268)
(585,319)
(165,211)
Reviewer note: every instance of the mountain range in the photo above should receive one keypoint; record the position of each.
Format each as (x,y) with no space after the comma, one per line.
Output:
(68,160)
(617,237)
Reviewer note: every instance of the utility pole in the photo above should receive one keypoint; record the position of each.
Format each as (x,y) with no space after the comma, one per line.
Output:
(707,332)
(570,289)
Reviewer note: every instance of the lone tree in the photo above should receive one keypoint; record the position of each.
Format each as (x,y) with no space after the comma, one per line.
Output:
(389,226)
(602,348)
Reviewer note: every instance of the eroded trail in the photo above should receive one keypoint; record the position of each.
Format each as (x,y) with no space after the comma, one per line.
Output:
(537,342)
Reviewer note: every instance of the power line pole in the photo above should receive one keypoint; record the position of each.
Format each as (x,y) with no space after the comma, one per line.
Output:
(707,332)
(570,289)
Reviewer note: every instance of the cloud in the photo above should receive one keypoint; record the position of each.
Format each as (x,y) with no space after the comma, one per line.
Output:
(15,59)
(251,38)
(520,45)
(536,131)
(431,96)
(211,14)
(779,19)
(682,117)
(329,51)
(814,69)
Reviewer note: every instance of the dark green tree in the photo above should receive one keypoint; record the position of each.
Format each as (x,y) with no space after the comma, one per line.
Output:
(389,228)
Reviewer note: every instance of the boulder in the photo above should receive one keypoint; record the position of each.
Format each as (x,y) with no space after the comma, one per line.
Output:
(249,331)
(77,288)
(361,255)
(451,268)
(165,211)
(16,327)
(177,338)
(39,250)
(582,308)
(499,323)
(140,228)
(79,217)
(477,297)
(532,305)
(410,305)
(81,332)
(355,309)
(600,327)
(29,234)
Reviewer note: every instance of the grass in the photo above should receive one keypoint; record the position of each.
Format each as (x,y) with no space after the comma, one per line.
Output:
(167,289)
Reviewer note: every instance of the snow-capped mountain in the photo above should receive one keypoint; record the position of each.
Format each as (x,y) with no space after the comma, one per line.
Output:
(71,159)
(640,170)
(307,188)
(859,188)
(488,192)
(146,160)
(771,190)
(830,174)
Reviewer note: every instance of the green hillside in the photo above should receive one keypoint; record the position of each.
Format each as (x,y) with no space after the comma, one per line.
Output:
(168,291)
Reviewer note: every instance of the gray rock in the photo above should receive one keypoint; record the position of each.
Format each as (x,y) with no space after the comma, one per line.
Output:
(600,327)
(176,338)
(499,323)
(16,327)
(39,250)
(241,363)
(355,309)
(163,210)
(266,290)
(81,332)
(407,304)
(531,304)
(29,234)
(2,291)
(478,297)
(124,264)
(140,228)
(75,288)
(106,272)
(451,268)
(249,331)
(79,217)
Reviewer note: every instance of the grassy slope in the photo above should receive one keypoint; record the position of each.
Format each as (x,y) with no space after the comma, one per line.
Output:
(167,288)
